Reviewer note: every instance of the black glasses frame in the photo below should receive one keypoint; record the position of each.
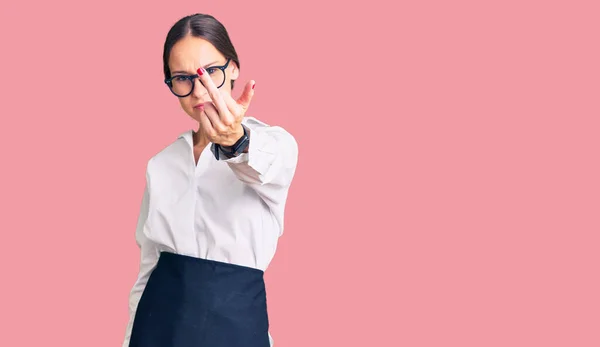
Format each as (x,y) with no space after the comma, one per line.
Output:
(169,81)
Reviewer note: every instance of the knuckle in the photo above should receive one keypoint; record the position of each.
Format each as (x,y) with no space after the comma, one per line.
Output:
(220,129)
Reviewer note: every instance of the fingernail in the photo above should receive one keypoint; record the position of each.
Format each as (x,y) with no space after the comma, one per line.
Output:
(200,71)
(253,85)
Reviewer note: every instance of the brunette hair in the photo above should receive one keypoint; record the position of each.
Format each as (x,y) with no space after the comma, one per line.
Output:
(204,26)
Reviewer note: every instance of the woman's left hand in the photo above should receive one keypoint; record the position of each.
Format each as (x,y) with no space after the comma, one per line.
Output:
(221,120)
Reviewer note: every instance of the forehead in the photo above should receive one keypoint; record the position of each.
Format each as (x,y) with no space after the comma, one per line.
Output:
(191,52)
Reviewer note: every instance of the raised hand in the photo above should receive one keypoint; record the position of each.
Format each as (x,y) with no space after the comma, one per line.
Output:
(221,120)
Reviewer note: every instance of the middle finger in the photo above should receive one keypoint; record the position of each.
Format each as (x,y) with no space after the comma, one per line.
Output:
(213,115)
(215,96)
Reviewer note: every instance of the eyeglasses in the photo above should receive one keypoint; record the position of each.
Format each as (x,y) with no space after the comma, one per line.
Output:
(183,85)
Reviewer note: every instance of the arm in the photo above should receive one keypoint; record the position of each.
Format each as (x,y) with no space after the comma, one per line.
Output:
(270,162)
(148,259)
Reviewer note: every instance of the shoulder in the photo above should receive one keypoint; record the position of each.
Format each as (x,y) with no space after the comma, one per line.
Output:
(166,171)
(272,140)
(254,123)
(259,126)
(173,152)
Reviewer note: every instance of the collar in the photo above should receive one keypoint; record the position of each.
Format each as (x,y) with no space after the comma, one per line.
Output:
(188,136)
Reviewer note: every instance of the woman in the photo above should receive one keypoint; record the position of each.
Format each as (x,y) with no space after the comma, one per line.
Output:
(213,205)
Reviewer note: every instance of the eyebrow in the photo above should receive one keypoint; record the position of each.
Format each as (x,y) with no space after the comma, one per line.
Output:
(185,72)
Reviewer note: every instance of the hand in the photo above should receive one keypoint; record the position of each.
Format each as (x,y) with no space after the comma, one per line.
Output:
(221,120)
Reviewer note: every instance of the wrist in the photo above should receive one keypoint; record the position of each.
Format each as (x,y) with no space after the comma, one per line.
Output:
(240,146)
(234,138)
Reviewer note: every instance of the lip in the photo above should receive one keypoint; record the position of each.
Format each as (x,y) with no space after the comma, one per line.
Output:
(202,104)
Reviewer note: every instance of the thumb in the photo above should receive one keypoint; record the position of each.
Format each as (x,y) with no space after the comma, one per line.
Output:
(246,97)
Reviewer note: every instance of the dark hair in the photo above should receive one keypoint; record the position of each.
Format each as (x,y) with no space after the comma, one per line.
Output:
(204,26)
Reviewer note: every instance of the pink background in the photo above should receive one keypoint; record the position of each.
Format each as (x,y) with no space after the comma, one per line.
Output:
(447,192)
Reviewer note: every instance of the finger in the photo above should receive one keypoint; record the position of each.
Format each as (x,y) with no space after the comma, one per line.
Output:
(215,96)
(206,126)
(246,97)
(234,108)
(213,116)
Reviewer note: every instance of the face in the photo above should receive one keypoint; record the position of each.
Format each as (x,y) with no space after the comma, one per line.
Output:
(191,53)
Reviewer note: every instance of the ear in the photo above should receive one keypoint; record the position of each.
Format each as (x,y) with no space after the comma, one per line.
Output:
(235,71)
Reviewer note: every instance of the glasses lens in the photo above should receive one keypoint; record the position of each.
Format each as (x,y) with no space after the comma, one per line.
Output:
(217,75)
(181,85)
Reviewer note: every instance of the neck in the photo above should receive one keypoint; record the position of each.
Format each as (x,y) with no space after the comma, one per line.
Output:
(200,139)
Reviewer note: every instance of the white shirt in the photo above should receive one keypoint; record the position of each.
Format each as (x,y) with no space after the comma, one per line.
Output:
(228,210)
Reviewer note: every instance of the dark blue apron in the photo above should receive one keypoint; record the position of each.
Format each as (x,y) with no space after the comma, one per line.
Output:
(193,302)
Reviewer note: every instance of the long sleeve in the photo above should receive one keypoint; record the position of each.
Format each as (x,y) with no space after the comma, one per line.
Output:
(148,260)
(270,164)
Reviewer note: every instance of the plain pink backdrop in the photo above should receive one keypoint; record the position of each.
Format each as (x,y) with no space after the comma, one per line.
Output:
(447,192)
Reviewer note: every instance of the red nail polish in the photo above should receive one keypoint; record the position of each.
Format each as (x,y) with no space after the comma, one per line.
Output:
(200,71)
(253,85)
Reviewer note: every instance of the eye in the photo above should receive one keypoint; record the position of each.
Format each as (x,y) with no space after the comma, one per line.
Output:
(180,78)
(211,70)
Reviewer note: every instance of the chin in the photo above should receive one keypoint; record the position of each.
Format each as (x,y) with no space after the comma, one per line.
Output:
(195,117)
(192,115)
